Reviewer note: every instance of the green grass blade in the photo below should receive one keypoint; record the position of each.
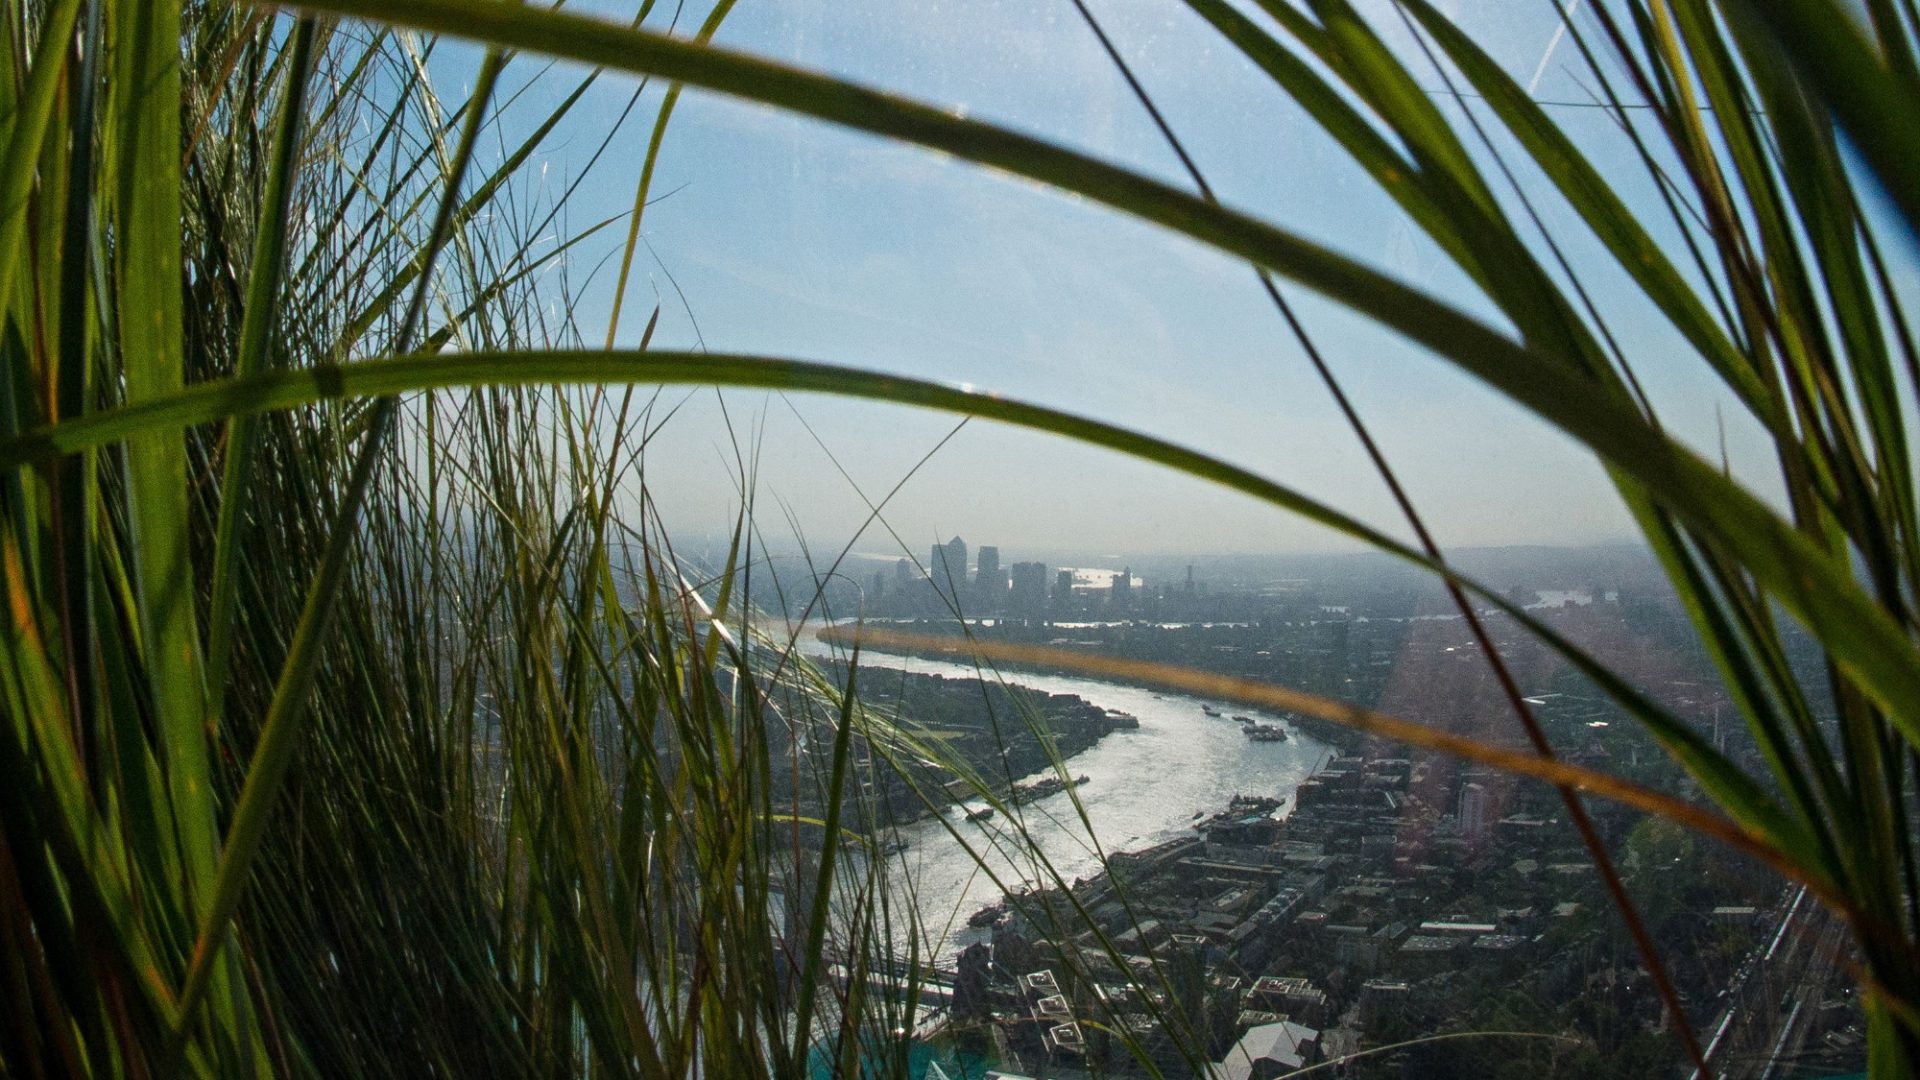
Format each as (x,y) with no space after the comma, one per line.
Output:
(1515,279)
(1851,78)
(1826,208)
(1811,583)
(1602,208)
(263,298)
(280,732)
(380,378)
(147,184)
(279,737)
(24,133)
(1383,161)
(822,908)
(74,488)
(1801,576)
(708,28)
(482,196)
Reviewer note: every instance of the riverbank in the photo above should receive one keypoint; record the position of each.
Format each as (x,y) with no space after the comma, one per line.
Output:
(982,738)
(1325,731)
(1144,787)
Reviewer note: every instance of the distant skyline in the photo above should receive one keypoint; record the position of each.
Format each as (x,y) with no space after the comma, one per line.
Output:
(788,237)
(1538,565)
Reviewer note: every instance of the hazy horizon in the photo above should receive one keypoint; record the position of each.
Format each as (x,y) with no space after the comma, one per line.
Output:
(1540,565)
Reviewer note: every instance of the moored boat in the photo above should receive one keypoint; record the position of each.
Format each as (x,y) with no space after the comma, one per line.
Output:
(987,916)
(1043,787)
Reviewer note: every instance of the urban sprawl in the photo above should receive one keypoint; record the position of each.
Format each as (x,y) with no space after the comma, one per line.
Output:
(1394,894)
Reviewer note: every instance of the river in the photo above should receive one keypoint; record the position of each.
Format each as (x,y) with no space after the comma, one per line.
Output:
(1143,787)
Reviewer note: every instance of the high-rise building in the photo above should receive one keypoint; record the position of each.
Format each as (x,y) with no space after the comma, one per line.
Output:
(989,565)
(947,566)
(1063,587)
(1472,815)
(903,574)
(989,581)
(1122,593)
(1029,588)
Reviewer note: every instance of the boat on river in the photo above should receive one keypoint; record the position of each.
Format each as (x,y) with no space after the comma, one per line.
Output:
(987,916)
(981,814)
(1043,787)
(1241,811)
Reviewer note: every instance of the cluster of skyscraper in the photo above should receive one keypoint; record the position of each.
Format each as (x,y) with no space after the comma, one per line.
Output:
(989,589)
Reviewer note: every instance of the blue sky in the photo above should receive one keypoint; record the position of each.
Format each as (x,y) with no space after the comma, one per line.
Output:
(789,237)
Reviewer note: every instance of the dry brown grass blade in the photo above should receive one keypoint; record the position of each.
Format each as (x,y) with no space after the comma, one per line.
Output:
(1519,762)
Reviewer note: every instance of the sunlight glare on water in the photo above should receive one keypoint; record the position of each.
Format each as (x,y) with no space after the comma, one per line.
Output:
(1144,787)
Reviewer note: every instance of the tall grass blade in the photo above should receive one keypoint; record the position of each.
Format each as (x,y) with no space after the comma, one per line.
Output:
(256,329)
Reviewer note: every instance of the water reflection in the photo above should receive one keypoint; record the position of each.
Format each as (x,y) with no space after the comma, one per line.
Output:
(1143,787)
